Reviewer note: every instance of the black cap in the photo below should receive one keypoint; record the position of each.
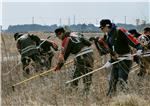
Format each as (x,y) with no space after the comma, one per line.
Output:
(105,22)
(134,32)
(17,35)
(146,29)
(60,29)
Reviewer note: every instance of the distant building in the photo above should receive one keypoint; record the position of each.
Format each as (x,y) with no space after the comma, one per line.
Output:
(137,22)
(143,22)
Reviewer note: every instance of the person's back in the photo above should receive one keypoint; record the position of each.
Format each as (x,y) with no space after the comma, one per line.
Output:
(26,45)
(47,46)
(74,44)
(121,41)
(28,50)
(45,49)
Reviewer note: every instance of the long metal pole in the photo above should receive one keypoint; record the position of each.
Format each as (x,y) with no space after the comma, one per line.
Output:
(93,71)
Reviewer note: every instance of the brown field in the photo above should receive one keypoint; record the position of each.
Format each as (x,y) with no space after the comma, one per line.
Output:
(51,90)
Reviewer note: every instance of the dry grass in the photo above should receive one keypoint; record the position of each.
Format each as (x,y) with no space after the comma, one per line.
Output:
(52,91)
(129,100)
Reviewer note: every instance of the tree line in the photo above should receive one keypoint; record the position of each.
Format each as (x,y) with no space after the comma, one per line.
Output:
(76,28)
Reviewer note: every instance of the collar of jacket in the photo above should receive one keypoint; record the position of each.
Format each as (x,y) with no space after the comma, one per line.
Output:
(66,34)
(111,31)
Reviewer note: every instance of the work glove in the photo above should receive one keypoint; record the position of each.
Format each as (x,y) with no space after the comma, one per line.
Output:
(39,48)
(108,65)
(139,52)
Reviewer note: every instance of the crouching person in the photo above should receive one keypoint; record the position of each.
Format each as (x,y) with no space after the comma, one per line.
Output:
(73,43)
(26,45)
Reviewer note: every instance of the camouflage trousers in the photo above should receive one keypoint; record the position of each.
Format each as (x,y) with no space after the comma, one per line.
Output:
(83,64)
(26,60)
(144,66)
(47,58)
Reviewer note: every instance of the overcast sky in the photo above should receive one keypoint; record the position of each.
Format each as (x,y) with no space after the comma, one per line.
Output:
(47,13)
(75,0)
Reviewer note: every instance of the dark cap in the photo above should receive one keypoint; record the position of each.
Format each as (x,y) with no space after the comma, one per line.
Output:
(58,30)
(105,22)
(146,29)
(134,32)
(17,35)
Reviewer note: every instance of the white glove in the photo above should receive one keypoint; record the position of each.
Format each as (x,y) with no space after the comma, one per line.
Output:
(38,47)
(108,64)
(139,52)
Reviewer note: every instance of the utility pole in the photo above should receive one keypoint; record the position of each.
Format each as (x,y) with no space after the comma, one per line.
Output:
(112,21)
(32,20)
(143,22)
(60,22)
(74,19)
(137,22)
(125,20)
(97,22)
(69,21)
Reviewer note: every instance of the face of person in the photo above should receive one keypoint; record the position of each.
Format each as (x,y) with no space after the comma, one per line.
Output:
(105,29)
(147,33)
(60,35)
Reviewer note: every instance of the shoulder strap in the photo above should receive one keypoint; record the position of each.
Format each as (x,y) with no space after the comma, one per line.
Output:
(115,36)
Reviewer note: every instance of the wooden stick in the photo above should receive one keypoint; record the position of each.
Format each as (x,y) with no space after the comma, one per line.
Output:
(38,75)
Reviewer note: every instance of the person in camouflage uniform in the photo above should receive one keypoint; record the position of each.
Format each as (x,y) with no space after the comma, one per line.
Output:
(147,35)
(26,45)
(136,58)
(144,39)
(73,43)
